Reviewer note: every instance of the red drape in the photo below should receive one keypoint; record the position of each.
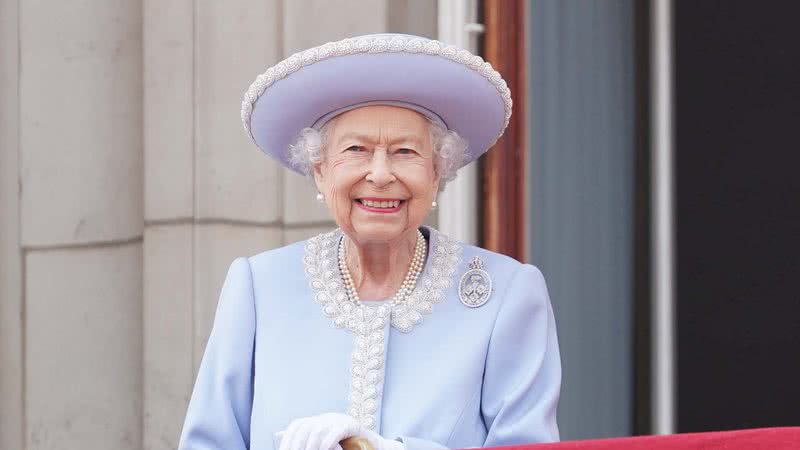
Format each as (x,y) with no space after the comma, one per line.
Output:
(787,438)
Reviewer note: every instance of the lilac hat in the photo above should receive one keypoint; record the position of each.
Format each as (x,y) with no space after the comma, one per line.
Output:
(451,86)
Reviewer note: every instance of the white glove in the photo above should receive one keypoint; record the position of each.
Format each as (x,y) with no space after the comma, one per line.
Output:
(324,432)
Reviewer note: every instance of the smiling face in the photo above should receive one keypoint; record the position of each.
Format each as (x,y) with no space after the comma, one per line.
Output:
(377,173)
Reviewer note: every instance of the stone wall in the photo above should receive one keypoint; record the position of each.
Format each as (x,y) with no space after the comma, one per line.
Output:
(127,187)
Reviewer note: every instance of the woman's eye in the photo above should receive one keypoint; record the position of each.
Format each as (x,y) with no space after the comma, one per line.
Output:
(354,148)
(405,151)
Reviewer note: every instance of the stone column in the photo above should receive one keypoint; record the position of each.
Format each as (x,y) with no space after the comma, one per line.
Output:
(211,196)
(168,370)
(11,300)
(80,156)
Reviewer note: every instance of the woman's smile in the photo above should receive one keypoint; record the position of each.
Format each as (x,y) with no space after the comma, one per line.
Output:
(380,205)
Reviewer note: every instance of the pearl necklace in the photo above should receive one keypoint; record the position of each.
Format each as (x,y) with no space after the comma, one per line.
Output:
(409,283)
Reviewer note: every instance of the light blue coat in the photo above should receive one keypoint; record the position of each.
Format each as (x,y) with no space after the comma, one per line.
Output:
(433,374)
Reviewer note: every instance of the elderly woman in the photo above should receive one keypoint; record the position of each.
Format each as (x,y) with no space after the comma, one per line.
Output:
(382,329)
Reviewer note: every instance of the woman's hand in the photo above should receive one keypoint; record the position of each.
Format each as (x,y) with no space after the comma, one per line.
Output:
(324,432)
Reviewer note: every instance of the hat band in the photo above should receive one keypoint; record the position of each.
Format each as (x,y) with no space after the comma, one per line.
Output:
(420,109)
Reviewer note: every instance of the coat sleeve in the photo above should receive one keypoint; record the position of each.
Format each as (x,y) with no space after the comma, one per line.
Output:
(522,378)
(218,417)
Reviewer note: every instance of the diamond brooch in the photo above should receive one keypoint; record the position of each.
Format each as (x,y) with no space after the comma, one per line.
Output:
(475,286)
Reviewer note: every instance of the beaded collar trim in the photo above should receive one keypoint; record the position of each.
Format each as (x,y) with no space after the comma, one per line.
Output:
(325,279)
(368,322)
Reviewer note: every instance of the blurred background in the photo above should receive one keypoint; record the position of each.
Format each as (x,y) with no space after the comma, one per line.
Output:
(650,170)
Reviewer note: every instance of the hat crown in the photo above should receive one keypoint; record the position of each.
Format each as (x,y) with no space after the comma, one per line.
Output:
(327,60)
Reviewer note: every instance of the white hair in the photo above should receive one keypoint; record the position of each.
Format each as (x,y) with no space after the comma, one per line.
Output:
(449,150)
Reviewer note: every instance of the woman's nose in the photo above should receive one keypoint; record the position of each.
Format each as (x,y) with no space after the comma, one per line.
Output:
(380,170)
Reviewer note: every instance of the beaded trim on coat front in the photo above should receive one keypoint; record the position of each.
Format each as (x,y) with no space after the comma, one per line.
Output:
(321,265)
(367,322)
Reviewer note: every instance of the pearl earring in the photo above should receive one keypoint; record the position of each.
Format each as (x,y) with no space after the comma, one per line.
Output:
(320,197)
(434,204)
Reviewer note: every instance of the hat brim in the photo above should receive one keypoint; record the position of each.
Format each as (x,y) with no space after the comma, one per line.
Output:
(466,100)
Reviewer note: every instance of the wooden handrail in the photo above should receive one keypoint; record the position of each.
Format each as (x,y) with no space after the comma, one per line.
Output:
(356,443)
